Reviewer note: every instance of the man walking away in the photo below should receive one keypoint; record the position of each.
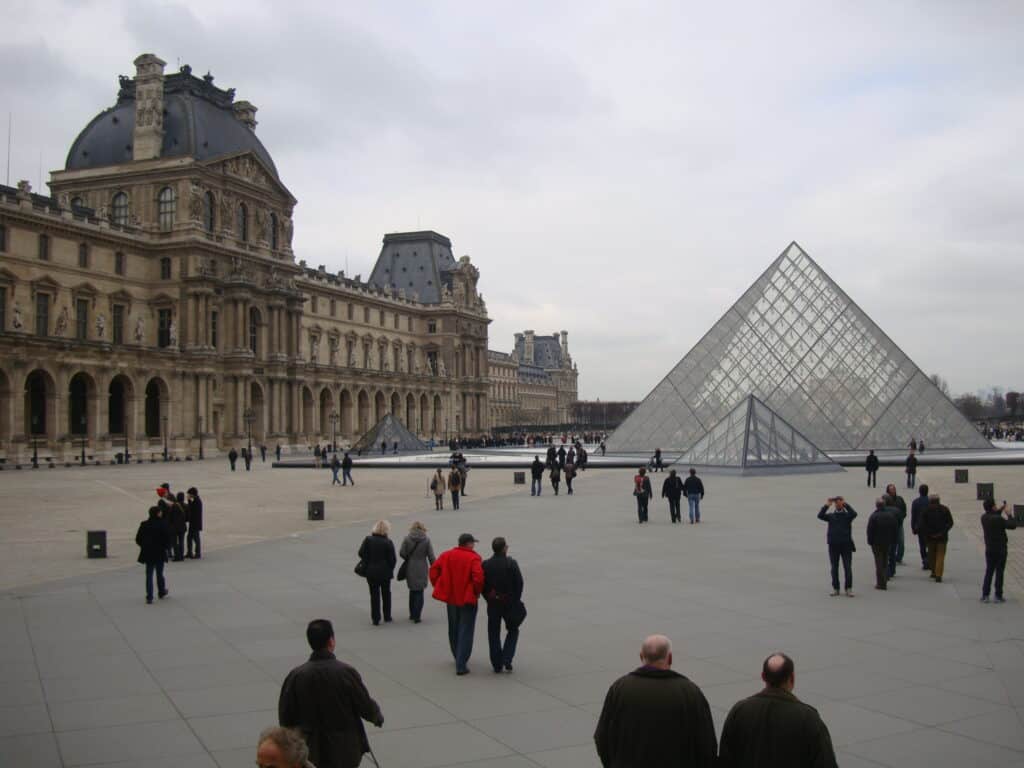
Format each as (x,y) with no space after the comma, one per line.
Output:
(672,489)
(911,470)
(536,476)
(263,453)
(455,486)
(917,508)
(871,465)
(335,466)
(195,523)
(247,455)
(694,490)
(570,475)
(458,579)
(655,717)
(881,537)
(346,470)
(775,728)
(840,540)
(937,522)
(153,538)
(503,591)
(994,525)
(277,451)
(899,506)
(326,700)
(232,458)
(556,476)
(642,491)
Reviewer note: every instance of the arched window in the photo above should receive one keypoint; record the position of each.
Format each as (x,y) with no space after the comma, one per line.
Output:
(208,209)
(166,206)
(119,209)
(243,223)
(254,325)
(273,231)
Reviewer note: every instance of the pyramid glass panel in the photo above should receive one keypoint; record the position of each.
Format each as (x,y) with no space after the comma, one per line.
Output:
(798,343)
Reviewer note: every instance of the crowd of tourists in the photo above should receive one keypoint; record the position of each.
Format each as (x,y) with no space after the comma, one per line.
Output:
(561,464)
(171,533)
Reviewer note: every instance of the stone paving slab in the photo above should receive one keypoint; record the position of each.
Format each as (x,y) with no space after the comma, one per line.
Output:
(920,675)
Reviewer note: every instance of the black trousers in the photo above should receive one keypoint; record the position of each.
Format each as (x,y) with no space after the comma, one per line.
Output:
(922,542)
(844,552)
(380,591)
(673,509)
(873,478)
(995,564)
(881,553)
(193,539)
(415,604)
(455,499)
(641,507)
(179,545)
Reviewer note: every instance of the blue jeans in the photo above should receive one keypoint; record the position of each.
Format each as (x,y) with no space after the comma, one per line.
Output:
(535,486)
(694,501)
(415,604)
(346,477)
(900,544)
(161,585)
(501,655)
(461,623)
(334,476)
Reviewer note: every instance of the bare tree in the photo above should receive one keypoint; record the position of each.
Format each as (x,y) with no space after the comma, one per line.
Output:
(997,402)
(1013,403)
(941,383)
(970,406)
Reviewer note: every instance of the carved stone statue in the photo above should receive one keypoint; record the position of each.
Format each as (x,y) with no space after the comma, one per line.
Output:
(287,226)
(195,203)
(314,349)
(172,333)
(333,346)
(446,295)
(62,323)
(227,213)
(261,225)
(101,325)
(442,370)
(16,321)
(140,330)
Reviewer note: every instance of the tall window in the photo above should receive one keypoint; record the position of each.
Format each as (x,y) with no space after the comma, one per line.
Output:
(431,326)
(213,329)
(273,231)
(366,314)
(254,323)
(381,318)
(313,304)
(117,324)
(208,209)
(243,223)
(409,323)
(3,308)
(83,255)
(118,263)
(351,311)
(396,321)
(163,328)
(42,314)
(334,307)
(82,319)
(165,268)
(167,205)
(119,209)
(44,247)
(3,238)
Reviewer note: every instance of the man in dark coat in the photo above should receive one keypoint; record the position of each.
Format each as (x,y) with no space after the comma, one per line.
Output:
(773,728)
(195,522)
(153,538)
(642,491)
(536,476)
(994,525)
(898,506)
(936,522)
(177,520)
(911,465)
(346,470)
(232,458)
(247,457)
(655,717)
(693,489)
(917,508)
(840,540)
(881,537)
(263,452)
(503,591)
(871,465)
(277,451)
(672,489)
(327,701)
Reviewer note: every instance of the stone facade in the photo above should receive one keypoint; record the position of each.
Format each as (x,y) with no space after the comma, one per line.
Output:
(156,301)
(535,384)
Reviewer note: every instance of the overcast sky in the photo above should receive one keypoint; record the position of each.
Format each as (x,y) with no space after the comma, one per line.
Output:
(622,170)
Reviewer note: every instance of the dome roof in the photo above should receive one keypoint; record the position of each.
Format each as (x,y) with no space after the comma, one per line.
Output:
(199,121)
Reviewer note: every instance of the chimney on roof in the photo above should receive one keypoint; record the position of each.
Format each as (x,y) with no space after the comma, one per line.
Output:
(148,135)
(528,349)
(565,343)
(246,113)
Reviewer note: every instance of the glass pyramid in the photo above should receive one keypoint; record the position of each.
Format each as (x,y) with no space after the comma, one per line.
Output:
(799,344)
(753,439)
(389,430)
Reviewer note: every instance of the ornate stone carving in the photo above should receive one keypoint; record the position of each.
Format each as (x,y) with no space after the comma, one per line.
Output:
(287,227)
(172,332)
(61,327)
(140,330)
(101,325)
(16,321)
(195,203)
(314,349)
(261,225)
(227,212)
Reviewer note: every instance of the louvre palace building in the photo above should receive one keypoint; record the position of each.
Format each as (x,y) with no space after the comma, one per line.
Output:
(153,301)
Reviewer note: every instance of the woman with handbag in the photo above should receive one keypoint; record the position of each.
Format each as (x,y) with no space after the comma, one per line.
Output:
(378,553)
(417,554)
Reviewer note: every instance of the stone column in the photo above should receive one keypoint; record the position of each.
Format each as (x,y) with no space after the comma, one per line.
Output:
(201,397)
(239,406)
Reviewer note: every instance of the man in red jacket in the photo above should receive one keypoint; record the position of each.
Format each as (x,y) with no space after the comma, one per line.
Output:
(458,579)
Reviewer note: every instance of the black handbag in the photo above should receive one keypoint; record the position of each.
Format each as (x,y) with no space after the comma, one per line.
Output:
(360,568)
(403,569)
(515,615)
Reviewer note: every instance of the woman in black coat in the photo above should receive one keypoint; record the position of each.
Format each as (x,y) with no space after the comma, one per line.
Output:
(153,538)
(378,552)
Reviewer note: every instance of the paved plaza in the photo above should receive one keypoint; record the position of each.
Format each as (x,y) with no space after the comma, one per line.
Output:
(921,675)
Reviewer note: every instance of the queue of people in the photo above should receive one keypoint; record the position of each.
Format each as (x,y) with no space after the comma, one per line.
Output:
(171,533)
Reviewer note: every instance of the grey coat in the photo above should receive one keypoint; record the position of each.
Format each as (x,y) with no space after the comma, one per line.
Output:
(419,561)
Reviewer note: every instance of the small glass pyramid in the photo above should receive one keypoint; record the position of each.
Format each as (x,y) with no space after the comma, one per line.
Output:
(798,343)
(751,439)
(389,430)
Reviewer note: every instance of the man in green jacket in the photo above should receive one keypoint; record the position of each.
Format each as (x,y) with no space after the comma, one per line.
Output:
(655,717)
(773,728)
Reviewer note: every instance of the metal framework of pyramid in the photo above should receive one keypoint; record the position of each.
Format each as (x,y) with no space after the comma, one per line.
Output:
(389,430)
(799,344)
(753,439)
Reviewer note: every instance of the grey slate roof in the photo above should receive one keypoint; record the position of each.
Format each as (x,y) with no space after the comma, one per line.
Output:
(198,122)
(547,351)
(417,262)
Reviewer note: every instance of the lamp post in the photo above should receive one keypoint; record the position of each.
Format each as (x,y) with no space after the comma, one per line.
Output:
(334,430)
(85,439)
(199,426)
(163,419)
(126,459)
(250,417)
(35,442)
